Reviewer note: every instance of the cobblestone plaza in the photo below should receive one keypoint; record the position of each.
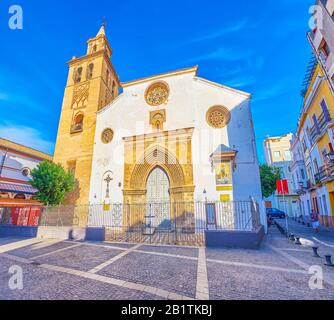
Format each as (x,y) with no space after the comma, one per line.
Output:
(94,271)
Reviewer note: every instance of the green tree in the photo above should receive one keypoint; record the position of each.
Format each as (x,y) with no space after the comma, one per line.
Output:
(52,182)
(269,176)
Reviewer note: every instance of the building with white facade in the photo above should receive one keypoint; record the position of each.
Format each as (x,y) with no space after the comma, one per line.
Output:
(16,163)
(277,154)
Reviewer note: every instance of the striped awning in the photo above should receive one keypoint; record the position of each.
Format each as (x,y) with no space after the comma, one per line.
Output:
(17,188)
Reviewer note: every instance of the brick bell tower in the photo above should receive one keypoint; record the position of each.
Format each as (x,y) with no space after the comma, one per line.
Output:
(92,84)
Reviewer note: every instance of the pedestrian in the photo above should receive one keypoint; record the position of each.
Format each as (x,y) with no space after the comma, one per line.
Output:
(315,221)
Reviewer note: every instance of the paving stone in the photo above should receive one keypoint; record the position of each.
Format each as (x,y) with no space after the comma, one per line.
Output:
(83,258)
(171,274)
(189,252)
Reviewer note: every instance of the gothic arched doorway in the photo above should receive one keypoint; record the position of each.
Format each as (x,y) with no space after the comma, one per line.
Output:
(157,186)
(158,200)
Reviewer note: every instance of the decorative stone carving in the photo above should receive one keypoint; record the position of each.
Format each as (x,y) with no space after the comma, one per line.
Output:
(157,94)
(157,119)
(107,136)
(218,117)
(80,95)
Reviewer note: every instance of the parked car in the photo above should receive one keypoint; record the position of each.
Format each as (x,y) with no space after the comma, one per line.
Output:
(275,213)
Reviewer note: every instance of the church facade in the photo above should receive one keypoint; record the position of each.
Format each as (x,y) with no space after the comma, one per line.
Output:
(168,138)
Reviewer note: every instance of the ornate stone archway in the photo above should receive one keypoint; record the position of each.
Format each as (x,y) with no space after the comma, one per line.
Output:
(172,152)
(181,188)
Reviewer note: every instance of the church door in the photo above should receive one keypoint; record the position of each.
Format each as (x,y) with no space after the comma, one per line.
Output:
(158,200)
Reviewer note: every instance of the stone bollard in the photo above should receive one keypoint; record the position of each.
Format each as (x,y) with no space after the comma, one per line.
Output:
(315,252)
(297,242)
(329,262)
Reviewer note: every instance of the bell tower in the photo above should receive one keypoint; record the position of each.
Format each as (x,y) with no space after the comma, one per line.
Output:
(92,84)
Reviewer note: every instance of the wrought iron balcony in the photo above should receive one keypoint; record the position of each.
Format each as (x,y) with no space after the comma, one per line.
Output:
(318,128)
(326,172)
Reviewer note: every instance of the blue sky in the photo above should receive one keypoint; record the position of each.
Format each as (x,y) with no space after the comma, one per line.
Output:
(256,46)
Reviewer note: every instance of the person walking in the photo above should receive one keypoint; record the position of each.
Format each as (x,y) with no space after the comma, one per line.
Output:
(315,221)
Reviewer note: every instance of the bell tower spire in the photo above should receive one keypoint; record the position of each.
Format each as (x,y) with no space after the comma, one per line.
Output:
(99,42)
(92,84)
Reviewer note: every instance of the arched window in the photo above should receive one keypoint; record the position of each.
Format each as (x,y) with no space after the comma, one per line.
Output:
(77,75)
(77,125)
(90,70)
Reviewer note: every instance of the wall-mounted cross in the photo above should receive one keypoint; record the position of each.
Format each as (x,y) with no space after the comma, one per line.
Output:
(108,180)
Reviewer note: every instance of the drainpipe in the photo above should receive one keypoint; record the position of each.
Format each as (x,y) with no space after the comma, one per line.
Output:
(3,161)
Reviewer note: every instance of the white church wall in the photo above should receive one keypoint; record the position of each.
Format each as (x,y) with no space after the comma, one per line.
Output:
(190,98)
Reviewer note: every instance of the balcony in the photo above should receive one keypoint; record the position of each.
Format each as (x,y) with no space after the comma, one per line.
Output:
(326,173)
(318,128)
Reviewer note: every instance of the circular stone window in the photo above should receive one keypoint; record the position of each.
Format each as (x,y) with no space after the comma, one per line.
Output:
(26,172)
(157,93)
(107,136)
(218,117)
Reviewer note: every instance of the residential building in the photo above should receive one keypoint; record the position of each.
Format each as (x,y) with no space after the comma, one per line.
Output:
(277,149)
(277,154)
(312,146)
(321,39)
(16,163)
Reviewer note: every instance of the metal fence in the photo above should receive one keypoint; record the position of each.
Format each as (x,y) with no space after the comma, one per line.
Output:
(168,223)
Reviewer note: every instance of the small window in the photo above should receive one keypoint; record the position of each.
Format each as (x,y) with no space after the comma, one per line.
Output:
(324,49)
(77,75)
(302,172)
(277,154)
(324,202)
(90,70)
(77,123)
(287,155)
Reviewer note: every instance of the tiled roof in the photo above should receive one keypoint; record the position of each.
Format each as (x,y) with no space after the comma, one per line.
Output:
(224,149)
(17,188)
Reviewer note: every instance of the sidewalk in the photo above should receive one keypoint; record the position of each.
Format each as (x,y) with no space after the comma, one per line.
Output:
(325,235)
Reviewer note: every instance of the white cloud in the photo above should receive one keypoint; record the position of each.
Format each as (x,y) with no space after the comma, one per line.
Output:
(26,136)
(220,33)
(240,81)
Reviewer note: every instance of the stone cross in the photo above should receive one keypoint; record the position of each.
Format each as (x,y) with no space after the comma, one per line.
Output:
(108,180)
